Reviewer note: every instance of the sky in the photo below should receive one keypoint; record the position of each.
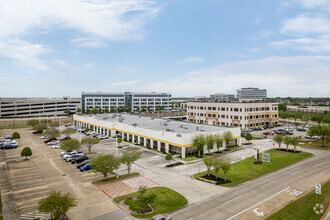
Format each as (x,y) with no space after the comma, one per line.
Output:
(189,48)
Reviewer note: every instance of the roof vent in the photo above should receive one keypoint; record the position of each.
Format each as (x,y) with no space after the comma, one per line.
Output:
(134,124)
(152,118)
(163,123)
(186,127)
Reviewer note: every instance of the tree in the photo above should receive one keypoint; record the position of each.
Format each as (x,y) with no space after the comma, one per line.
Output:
(296,116)
(138,109)
(287,141)
(119,140)
(57,204)
(225,166)
(219,141)
(79,110)
(306,118)
(209,141)
(169,157)
(320,130)
(16,135)
(208,161)
(53,124)
(69,131)
(282,107)
(317,118)
(279,140)
(128,158)
(87,129)
(69,145)
(88,111)
(248,137)
(40,126)
(67,111)
(26,152)
(283,114)
(32,122)
(105,164)
(199,142)
(294,142)
(52,133)
(129,109)
(216,164)
(95,110)
(228,137)
(89,142)
(106,110)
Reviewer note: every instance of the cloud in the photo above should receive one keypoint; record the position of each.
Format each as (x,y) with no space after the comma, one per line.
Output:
(281,76)
(307,24)
(120,84)
(126,69)
(313,3)
(191,60)
(93,22)
(24,52)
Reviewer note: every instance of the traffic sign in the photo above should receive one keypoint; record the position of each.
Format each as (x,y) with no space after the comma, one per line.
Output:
(318,189)
(265,157)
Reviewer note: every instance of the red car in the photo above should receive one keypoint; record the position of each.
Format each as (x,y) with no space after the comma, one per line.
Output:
(268,133)
(67,125)
(49,140)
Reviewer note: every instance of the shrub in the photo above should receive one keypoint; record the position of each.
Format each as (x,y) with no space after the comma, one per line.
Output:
(26,152)
(16,135)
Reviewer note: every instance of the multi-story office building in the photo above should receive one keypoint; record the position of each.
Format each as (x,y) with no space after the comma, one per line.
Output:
(163,135)
(32,107)
(134,100)
(221,97)
(236,114)
(251,93)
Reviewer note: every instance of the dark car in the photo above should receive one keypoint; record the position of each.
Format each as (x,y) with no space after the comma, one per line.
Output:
(49,140)
(65,138)
(37,132)
(243,134)
(9,146)
(79,159)
(301,129)
(85,167)
(83,163)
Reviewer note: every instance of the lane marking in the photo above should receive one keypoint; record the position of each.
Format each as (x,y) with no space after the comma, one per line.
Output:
(232,199)
(295,172)
(258,203)
(268,184)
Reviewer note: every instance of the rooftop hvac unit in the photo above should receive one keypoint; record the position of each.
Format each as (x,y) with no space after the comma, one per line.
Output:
(167,129)
(171,130)
(201,129)
(119,115)
(105,117)
(152,118)
(168,120)
(186,127)
(181,126)
(163,123)
(113,116)
(120,120)
(197,128)
(134,124)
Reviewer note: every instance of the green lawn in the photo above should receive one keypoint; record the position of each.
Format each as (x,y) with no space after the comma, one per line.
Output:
(302,209)
(257,138)
(110,179)
(245,170)
(1,218)
(166,200)
(315,145)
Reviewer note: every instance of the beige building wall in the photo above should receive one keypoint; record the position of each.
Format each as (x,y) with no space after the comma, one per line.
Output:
(238,114)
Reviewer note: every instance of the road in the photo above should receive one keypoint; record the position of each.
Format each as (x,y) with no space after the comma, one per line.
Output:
(265,194)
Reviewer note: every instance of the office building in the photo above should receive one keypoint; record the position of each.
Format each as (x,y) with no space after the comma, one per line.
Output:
(251,93)
(221,97)
(33,107)
(236,114)
(137,101)
(163,135)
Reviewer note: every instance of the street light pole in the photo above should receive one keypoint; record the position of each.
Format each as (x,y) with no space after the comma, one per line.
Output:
(116,154)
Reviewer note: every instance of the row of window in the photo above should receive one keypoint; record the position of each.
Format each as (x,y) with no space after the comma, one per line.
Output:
(232,109)
(231,116)
(251,125)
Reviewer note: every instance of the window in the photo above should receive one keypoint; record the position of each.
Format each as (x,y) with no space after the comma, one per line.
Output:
(223,116)
(214,108)
(223,109)
(209,108)
(235,117)
(236,109)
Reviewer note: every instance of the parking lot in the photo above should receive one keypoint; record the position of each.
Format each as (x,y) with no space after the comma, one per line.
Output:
(32,180)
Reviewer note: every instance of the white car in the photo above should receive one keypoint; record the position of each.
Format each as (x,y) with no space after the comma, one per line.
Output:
(43,137)
(102,137)
(53,143)
(56,146)
(315,137)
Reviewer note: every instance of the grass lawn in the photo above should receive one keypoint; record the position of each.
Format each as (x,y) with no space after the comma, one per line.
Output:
(1,218)
(195,157)
(110,179)
(302,208)
(257,138)
(166,200)
(245,170)
(16,127)
(315,145)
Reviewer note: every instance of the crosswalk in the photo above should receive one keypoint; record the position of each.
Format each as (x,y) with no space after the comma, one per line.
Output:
(123,187)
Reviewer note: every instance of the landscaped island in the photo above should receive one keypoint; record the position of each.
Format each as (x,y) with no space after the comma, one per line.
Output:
(148,202)
(245,170)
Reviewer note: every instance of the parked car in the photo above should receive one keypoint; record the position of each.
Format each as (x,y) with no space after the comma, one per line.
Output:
(53,142)
(67,125)
(315,137)
(49,140)
(301,129)
(79,159)
(37,132)
(71,154)
(56,146)
(9,146)
(44,137)
(86,167)
(267,133)
(102,137)
(7,137)
(65,138)
(72,157)
(83,163)
(243,134)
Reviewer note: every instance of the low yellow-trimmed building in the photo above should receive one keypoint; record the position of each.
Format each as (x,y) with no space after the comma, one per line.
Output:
(163,135)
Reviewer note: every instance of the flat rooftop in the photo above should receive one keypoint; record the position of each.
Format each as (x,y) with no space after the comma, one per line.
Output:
(156,124)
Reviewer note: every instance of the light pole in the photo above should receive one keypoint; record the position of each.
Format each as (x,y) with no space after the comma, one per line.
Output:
(116,154)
